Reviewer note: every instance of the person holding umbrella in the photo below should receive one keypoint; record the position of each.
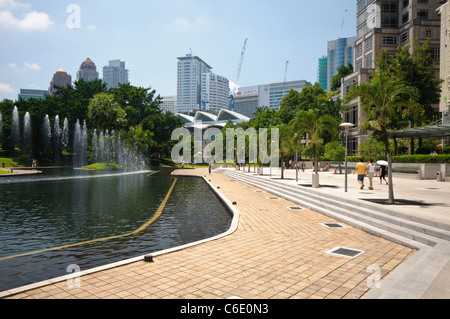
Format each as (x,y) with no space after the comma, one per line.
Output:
(383,171)
(371,172)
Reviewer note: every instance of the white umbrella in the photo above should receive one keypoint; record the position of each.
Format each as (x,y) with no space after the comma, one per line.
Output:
(382,163)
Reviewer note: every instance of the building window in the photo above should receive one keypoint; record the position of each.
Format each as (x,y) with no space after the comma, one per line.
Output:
(422,14)
(422,1)
(429,33)
(404,38)
(405,18)
(389,40)
(389,7)
(405,3)
(389,22)
(358,65)
(369,44)
(359,50)
(369,61)
(436,55)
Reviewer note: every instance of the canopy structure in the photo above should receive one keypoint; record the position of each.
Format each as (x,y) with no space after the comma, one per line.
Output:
(204,120)
(428,132)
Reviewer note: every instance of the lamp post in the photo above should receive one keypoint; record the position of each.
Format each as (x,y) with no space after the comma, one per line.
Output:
(347,126)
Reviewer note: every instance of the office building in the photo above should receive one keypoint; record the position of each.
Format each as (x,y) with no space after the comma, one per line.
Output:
(169,103)
(215,92)
(386,25)
(322,74)
(247,99)
(60,79)
(26,94)
(340,52)
(115,73)
(189,82)
(88,71)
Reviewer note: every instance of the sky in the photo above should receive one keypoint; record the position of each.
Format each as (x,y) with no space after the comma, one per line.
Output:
(39,37)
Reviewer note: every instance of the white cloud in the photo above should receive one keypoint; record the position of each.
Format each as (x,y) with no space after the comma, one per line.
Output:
(12,4)
(13,66)
(6,88)
(33,66)
(32,21)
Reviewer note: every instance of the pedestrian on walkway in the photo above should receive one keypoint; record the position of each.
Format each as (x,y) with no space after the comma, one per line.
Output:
(371,172)
(383,174)
(210,168)
(361,170)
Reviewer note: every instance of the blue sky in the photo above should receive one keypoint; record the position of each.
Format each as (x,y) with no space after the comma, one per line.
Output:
(37,40)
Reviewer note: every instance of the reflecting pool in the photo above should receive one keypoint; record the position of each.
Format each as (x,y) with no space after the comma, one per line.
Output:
(61,208)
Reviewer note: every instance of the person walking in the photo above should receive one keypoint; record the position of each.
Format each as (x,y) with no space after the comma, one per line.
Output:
(371,172)
(361,170)
(383,174)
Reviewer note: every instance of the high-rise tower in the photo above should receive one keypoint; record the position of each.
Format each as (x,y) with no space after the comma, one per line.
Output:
(115,73)
(88,71)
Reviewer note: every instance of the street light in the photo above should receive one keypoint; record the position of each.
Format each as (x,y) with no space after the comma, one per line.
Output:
(347,126)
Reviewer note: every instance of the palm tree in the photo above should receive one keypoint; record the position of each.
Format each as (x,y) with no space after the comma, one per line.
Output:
(383,99)
(309,122)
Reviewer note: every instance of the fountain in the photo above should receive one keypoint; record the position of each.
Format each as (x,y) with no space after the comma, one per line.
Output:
(56,140)
(47,133)
(80,145)
(27,135)
(15,127)
(65,134)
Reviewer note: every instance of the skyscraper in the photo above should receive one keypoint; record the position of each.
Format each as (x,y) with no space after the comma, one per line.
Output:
(60,78)
(215,92)
(115,73)
(340,52)
(189,85)
(88,71)
(322,76)
(386,25)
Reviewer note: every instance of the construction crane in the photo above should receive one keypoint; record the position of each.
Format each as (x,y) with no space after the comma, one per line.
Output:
(285,76)
(343,23)
(231,96)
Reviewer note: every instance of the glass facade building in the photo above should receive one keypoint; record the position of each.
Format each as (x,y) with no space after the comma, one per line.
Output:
(115,73)
(322,73)
(340,52)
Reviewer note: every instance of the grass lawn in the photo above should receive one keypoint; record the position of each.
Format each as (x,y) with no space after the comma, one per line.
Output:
(9,162)
(102,166)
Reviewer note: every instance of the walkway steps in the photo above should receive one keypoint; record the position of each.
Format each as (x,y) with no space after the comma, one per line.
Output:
(378,220)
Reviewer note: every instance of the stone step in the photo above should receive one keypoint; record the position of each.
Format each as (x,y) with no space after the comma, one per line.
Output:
(373,221)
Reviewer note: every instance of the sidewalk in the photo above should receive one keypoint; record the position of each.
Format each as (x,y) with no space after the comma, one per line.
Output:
(275,253)
(427,274)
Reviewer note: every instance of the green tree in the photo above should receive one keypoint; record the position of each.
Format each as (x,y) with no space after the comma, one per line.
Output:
(309,122)
(105,113)
(416,69)
(335,151)
(342,72)
(383,99)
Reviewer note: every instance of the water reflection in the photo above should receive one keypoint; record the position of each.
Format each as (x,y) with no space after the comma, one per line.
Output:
(72,207)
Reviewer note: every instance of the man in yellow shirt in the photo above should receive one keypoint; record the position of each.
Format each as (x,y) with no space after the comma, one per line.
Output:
(361,169)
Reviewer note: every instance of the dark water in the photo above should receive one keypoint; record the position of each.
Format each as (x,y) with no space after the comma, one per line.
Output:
(64,207)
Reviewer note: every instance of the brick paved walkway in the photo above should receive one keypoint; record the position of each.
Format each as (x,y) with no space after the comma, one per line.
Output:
(276,253)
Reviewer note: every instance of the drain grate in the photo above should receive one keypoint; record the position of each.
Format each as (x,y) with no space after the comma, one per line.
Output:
(272,198)
(295,208)
(258,191)
(332,225)
(345,252)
